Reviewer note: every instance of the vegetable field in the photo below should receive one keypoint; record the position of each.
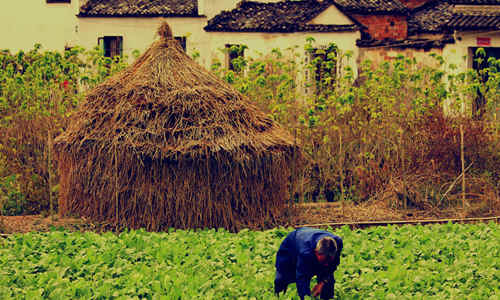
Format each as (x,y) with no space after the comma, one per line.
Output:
(411,262)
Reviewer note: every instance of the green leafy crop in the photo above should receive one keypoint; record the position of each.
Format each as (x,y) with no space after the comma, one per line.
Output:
(409,262)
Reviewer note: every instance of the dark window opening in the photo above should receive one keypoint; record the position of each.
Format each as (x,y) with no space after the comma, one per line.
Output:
(234,57)
(58,1)
(480,63)
(111,45)
(182,42)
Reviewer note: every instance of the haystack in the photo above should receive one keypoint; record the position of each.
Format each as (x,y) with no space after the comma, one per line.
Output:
(165,143)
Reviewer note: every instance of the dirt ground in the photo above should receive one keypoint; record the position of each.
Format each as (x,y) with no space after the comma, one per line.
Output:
(304,214)
(322,213)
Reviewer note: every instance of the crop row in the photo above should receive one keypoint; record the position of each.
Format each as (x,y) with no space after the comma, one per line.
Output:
(410,262)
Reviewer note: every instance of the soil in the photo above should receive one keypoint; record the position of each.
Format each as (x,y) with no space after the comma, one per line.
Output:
(324,213)
(304,214)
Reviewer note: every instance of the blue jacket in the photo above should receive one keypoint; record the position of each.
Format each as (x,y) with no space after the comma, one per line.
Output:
(296,261)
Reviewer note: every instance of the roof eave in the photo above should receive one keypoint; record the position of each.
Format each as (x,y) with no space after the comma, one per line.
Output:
(407,43)
(353,28)
(83,15)
(376,12)
(472,28)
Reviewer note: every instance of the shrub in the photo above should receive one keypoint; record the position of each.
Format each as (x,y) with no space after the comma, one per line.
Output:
(381,135)
(38,90)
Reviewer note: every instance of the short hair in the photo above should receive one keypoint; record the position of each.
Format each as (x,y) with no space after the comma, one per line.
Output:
(327,246)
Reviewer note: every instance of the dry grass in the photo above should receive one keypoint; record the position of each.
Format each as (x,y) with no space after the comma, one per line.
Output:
(321,213)
(167,144)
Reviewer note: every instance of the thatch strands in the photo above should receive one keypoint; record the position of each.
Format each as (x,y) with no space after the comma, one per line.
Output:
(165,143)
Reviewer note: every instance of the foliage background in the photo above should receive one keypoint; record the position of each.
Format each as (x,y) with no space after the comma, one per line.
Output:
(382,135)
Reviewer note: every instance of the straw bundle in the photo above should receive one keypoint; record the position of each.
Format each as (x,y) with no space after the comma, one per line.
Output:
(165,143)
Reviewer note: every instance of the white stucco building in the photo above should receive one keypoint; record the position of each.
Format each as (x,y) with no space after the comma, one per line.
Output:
(376,30)
(53,24)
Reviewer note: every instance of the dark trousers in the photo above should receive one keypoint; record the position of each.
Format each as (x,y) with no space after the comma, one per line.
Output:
(281,283)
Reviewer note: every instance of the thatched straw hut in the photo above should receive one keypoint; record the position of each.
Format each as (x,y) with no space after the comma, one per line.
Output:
(165,143)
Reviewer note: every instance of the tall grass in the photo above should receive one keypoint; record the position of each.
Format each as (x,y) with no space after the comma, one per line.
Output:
(38,91)
(382,135)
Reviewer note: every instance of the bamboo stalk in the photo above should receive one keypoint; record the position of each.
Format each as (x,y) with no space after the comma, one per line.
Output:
(405,204)
(341,157)
(49,169)
(294,166)
(462,158)
(116,185)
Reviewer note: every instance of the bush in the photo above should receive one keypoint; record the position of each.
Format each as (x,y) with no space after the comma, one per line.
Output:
(38,90)
(382,135)
(386,125)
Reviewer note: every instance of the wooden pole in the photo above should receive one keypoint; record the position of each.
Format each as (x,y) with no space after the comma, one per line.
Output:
(462,158)
(116,185)
(341,158)
(49,169)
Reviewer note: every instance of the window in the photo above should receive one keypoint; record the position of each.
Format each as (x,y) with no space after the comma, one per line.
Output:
(58,1)
(234,57)
(111,45)
(479,59)
(321,72)
(182,42)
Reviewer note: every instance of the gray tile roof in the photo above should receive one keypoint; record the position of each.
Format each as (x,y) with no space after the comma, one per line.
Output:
(284,16)
(443,16)
(475,2)
(408,43)
(430,18)
(372,6)
(139,8)
(475,21)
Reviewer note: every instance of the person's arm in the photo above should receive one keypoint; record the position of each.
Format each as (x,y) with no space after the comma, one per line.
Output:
(303,276)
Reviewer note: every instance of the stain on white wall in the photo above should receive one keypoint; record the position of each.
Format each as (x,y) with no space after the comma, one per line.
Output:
(27,22)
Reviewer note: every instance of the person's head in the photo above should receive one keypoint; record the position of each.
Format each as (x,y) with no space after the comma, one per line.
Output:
(325,251)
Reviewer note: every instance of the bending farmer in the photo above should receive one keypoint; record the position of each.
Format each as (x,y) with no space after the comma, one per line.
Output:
(306,252)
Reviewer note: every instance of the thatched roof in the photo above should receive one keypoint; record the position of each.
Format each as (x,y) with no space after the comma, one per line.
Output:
(165,143)
(167,106)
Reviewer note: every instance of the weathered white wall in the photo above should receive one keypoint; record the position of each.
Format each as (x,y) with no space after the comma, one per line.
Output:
(24,23)
(210,8)
(56,26)
(332,15)
(265,42)
(139,33)
(458,53)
